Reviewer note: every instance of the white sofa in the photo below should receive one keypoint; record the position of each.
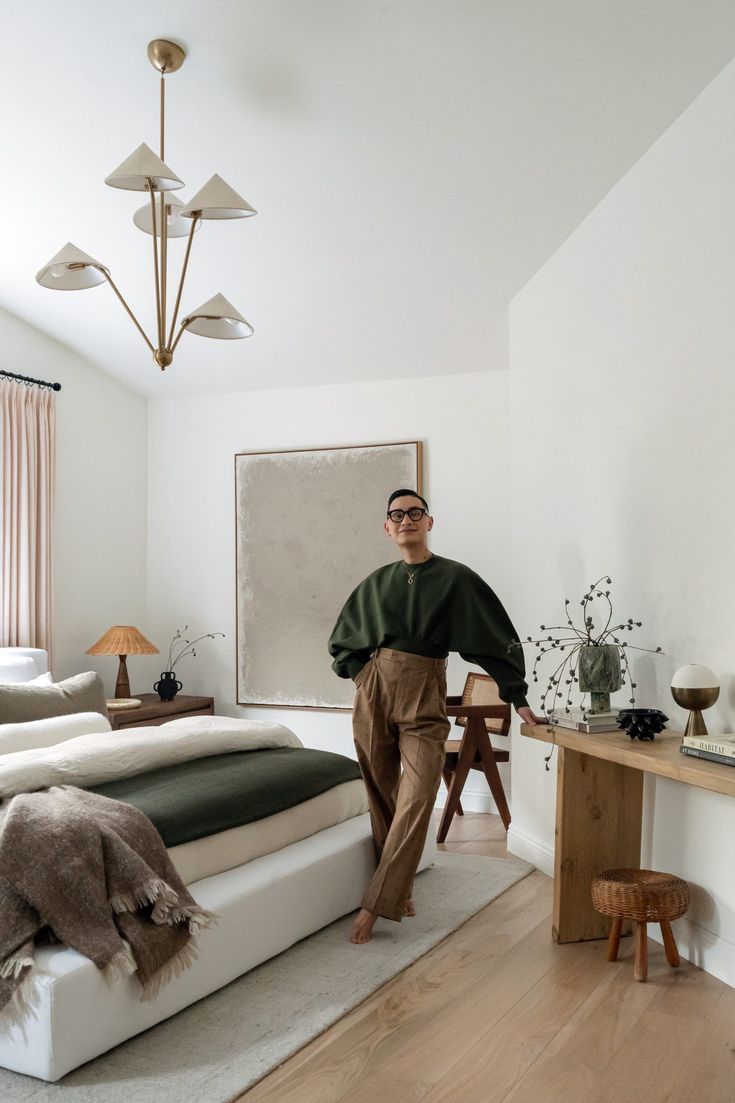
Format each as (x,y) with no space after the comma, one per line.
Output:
(22,664)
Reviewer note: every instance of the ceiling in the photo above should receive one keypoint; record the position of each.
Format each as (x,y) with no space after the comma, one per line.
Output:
(413,163)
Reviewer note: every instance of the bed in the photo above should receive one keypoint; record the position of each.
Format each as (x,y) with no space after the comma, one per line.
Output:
(293,864)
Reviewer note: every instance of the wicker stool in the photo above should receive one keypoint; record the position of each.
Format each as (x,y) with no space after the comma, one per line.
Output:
(646,897)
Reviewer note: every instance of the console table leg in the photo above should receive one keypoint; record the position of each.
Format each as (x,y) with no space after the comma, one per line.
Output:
(599,809)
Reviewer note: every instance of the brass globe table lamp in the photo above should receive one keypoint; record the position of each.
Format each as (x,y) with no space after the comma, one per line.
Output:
(695,687)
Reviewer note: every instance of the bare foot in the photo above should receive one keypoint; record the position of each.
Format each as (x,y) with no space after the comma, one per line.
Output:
(410,908)
(362,928)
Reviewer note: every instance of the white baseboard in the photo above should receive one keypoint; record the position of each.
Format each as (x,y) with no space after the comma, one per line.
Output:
(476,796)
(710,952)
(471,802)
(531,850)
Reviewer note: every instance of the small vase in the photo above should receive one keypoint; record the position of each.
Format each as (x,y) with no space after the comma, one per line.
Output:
(599,674)
(168,687)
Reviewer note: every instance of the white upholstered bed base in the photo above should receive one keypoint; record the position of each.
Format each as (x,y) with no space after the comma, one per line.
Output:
(264,907)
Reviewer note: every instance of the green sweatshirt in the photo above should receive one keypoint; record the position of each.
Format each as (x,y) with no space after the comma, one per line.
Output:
(446,608)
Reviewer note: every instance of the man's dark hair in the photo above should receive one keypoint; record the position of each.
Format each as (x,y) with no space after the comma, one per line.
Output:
(405,493)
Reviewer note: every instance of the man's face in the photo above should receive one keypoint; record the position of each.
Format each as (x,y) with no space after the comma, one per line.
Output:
(408,533)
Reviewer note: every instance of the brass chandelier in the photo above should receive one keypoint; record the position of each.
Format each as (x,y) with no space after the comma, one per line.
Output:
(73,270)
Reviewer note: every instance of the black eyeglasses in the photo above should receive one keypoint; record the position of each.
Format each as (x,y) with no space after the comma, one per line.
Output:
(414,514)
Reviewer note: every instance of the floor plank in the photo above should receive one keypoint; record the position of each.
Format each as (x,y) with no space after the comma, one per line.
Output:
(458,969)
(668,1042)
(498,1012)
(479,1048)
(711,1074)
(467,827)
(572,1064)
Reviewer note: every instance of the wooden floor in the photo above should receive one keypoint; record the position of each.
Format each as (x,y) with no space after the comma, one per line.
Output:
(499,1012)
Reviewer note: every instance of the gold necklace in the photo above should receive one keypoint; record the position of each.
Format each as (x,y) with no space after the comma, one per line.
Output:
(413,572)
(409,573)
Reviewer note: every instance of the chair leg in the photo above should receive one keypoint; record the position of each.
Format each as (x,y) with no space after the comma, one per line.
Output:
(672,954)
(640,966)
(490,769)
(448,775)
(465,759)
(613,941)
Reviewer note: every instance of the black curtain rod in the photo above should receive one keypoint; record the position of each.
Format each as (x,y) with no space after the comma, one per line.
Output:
(31,382)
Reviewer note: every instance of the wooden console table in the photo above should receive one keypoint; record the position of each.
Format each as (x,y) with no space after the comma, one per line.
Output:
(599,811)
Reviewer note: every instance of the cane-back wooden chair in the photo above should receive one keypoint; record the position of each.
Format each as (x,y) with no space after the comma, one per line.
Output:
(482,713)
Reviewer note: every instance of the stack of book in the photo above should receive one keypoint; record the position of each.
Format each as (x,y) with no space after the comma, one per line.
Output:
(582,720)
(716,748)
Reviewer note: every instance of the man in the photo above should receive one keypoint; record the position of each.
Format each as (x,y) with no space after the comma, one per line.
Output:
(392,638)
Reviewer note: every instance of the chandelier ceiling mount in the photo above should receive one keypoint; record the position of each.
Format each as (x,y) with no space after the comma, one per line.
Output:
(167,57)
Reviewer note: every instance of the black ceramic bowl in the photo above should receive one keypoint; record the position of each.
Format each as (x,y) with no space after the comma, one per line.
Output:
(642,723)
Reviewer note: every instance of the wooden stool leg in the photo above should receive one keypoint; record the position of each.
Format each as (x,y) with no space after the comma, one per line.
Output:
(613,941)
(672,954)
(448,775)
(640,966)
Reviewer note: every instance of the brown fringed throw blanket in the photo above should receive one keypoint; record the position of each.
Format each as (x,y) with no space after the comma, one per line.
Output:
(94,873)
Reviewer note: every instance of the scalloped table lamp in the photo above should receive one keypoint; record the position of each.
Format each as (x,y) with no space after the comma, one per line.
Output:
(122,640)
(695,687)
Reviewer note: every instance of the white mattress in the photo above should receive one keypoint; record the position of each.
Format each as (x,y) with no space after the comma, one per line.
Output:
(228,849)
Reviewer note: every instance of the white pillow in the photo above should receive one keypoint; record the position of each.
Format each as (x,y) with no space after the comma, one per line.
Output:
(42,680)
(47,733)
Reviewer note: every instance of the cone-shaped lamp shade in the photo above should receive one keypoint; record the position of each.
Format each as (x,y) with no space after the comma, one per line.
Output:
(218,318)
(71,270)
(140,167)
(218,200)
(177,226)
(122,639)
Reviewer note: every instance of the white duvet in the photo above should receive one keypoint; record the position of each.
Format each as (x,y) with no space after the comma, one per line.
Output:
(100,757)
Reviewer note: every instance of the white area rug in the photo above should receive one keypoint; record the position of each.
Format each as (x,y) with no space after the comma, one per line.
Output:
(215,1050)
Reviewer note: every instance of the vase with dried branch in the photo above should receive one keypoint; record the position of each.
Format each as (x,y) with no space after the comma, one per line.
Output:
(179,648)
(595,655)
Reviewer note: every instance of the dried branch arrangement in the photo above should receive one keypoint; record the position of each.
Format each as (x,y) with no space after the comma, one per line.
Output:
(597,630)
(180,647)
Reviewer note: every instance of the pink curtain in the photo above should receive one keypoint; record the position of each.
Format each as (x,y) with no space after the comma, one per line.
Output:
(27,468)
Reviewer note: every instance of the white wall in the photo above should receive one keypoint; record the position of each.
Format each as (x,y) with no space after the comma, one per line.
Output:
(100,535)
(462,421)
(622,394)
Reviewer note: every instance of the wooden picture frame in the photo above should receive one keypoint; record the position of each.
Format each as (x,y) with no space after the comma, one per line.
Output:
(309,528)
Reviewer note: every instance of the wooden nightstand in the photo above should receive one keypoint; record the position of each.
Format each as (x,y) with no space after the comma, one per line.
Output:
(152,710)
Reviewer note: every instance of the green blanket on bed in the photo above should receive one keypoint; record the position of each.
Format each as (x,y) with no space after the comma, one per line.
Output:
(194,799)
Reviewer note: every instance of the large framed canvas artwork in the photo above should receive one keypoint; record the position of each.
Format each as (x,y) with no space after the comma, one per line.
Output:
(309,528)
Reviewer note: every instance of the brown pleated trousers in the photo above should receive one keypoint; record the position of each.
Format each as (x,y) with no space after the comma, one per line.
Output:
(400,726)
